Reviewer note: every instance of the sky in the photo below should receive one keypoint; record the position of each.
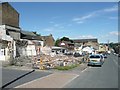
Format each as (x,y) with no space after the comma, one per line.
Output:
(76,20)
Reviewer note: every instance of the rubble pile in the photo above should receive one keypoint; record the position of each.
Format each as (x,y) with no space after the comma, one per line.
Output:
(49,61)
(23,61)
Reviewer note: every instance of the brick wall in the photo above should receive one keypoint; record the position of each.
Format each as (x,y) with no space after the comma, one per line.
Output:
(9,15)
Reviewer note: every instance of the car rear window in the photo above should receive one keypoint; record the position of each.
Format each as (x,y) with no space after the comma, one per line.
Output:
(94,56)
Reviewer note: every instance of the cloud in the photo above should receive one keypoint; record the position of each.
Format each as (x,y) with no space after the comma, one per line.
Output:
(69,25)
(113,18)
(50,29)
(56,25)
(80,22)
(95,13)
(51,22)
(61,27)
(84,37)
(56,17)
(115,33)
(54,29)
(84,17)
(111,36)
(112,9)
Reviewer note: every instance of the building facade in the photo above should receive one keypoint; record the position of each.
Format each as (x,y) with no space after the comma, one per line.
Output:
(86,42)
(48,40)
(9,15)
(9,27)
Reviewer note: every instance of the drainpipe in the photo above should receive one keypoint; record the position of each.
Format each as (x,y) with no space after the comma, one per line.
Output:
(14,49)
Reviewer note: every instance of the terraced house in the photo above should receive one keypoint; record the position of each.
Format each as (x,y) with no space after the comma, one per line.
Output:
(9,31)
(87,42)
(13,40)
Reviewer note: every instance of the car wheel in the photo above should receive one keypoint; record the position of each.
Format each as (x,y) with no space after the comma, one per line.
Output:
(100,65)
(88,64)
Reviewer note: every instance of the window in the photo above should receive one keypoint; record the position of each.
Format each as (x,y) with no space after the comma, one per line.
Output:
(95,56)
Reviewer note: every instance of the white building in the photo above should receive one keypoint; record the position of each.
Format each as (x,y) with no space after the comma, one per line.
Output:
(5,44)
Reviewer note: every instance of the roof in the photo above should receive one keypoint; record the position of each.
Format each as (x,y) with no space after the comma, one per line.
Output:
(84,40)
(47,37)
(28,33)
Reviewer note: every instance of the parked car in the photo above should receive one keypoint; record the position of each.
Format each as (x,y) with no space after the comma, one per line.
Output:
(119,55)
(96,59)
(104,55)
(68,53)
(76,54)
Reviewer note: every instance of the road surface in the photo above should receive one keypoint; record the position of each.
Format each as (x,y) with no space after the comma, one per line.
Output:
(11,74)
(98,77)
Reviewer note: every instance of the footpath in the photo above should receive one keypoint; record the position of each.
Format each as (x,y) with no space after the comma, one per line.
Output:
(57,79)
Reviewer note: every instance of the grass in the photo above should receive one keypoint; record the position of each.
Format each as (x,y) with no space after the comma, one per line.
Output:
(66,67)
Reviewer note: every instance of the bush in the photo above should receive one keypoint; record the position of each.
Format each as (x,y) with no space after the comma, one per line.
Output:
(66,67)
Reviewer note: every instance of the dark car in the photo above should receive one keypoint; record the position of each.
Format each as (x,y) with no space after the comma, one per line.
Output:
(76,54)
(104,55)
(119,55)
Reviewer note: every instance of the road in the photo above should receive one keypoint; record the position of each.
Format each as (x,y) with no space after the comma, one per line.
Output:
(11,74)
(98,77)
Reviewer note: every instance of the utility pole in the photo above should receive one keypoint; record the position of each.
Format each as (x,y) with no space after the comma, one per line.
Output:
(108,45)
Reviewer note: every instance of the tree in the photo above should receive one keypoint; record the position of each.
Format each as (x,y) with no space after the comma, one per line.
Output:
(66,39)
(115,46)
(57,42)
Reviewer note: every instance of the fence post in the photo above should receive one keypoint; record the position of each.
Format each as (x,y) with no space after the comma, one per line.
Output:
(41,64)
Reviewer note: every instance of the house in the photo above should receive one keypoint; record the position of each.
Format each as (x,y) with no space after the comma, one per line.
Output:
(9,24)
(28,35)
(48,40)
(9,15)
(67,44)
(5,45)
(103,48)
(58,50)
(86,42)
(19,40)
(34,43)
(10,20)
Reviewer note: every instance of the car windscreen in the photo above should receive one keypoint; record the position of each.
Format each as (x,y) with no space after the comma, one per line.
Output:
(95,56)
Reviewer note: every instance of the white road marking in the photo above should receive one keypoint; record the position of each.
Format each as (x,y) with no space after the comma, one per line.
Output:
(70,80)
(116,63)
(85,69)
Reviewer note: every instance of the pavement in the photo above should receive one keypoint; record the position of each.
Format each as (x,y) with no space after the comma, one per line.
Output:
(55,80)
